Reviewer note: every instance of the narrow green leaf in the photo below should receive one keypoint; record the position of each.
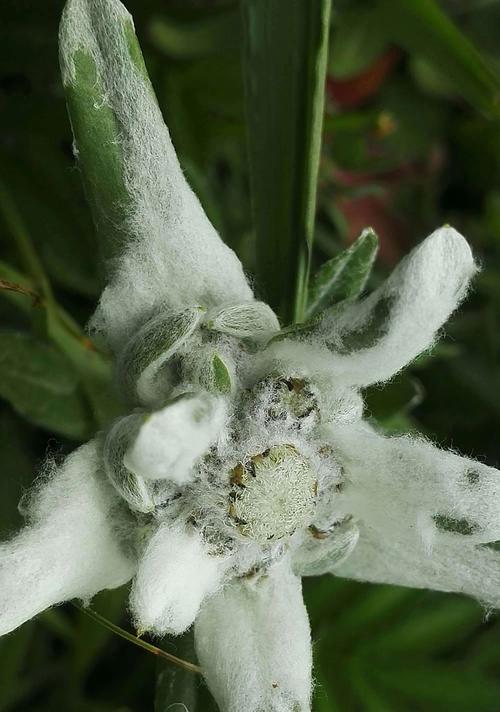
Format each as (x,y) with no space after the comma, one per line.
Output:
(423,29)
(344,276)
(284,68)
(40,384)
(98,635)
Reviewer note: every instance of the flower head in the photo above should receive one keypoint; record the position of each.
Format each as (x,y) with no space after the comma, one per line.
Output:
(244,461)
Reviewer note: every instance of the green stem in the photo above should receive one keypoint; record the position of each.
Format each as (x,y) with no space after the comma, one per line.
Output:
(137,641)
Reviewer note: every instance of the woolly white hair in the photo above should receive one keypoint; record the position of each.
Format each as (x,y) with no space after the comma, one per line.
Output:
(173,438)
(425,516)
(174,256)
(364,506)
(254,644)
(72,546)
(175,575)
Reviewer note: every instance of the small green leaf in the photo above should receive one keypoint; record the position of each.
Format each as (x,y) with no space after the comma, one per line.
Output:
(41,384)
(344,276)
(221,375)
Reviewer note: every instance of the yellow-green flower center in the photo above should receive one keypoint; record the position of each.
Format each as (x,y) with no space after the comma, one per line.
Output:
(272,494)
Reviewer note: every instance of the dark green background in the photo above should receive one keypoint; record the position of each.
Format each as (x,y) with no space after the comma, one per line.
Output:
(404,152)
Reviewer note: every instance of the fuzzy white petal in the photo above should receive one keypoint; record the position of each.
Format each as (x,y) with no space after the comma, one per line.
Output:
(71,547)
(253,643)
(400,483)
(453,566)
(417,502)
(173,438)
(174,256)
(373,339)
(175,575)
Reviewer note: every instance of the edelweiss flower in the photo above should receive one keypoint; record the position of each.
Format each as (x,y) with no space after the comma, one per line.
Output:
(244,462)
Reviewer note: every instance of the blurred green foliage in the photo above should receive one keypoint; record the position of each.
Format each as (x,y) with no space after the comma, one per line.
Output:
(411,140)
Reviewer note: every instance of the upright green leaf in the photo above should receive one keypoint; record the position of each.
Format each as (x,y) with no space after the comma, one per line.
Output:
(284,68)
(344,276)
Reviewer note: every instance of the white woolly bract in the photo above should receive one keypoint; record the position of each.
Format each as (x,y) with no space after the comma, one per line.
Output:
(427,509)
(175,575)
(453,566)
(71,547)
(174,255)
(372,339)
(253,643)
(171,439)
(403,482)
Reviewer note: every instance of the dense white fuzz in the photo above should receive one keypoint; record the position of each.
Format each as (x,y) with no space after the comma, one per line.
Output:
(252,320)
(170,440)
(273,494)
(71,547)
(321,551)
(372,339)
(453,566)
(253,643)
(175,575)
(419,505)
(174,255)
(403,485)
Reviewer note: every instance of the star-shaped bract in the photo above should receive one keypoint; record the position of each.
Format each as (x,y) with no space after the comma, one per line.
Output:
(244,462)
